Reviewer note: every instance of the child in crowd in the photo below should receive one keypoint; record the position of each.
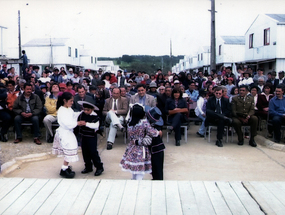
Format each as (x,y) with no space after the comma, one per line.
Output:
(137,158)
(90,124)
(157,146)
(65,142)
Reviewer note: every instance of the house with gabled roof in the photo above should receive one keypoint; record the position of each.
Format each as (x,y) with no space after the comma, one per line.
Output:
(265,43)
(230,49)
(55,52)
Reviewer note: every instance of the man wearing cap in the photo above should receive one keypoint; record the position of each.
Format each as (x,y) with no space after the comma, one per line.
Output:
(142,97)
(161,100)
(176,84)
(152,90)
(88,128)
(70,73)
(243,114)
(115,110)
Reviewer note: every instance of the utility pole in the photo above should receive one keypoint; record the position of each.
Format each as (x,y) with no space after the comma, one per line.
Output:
(170,54)
(19,31)
(213,36)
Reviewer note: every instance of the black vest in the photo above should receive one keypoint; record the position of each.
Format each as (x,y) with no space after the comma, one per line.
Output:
(85,131)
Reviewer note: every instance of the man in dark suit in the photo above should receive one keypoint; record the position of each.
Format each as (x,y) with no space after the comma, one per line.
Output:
(218,112)
(243,114)
(115,110)
(142,97)
(81,96)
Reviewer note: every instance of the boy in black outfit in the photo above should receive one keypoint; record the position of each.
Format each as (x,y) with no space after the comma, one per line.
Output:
(157,146)
(87,130)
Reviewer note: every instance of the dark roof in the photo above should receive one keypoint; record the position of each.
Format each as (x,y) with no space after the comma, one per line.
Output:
(277,17)
(234,40)
(46,42)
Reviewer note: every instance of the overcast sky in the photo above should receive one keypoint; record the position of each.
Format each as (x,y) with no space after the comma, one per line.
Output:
(143,27)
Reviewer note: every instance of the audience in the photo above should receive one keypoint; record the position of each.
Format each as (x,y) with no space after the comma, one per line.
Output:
(153,90)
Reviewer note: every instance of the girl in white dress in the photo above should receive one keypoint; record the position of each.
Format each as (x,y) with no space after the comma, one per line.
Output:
(65,142)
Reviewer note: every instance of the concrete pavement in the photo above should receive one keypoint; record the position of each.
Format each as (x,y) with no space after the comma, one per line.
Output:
(196,160)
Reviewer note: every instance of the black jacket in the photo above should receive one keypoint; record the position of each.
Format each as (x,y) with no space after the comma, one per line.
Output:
(225,105)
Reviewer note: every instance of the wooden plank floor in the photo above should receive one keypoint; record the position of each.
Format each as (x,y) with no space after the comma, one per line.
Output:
(88,196)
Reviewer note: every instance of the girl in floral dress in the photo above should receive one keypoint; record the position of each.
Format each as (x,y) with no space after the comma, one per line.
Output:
(137,157)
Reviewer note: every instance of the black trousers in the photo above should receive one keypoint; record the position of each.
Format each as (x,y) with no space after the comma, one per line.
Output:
(218,120)
(176,122)
(157,165)
(6,121)
(90,152)
(277,121)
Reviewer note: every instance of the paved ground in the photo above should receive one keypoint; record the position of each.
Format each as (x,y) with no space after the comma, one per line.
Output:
(196,160)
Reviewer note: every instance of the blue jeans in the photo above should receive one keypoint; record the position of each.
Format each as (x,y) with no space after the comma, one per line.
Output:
(202,127)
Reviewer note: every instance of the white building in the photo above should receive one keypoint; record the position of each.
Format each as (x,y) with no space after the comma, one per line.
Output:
(265,43)
(107,66)
(230,49)
(263,46)
(54,52)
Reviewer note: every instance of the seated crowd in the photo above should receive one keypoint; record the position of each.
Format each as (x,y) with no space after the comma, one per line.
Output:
(220,98)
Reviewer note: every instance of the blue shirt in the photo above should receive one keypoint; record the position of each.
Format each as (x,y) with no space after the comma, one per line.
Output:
(277,106)
(194,95)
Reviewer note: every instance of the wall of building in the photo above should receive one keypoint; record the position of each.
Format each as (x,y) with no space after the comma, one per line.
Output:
(259,50)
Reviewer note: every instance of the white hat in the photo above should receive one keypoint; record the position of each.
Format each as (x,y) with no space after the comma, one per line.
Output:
(176,82)
(70,69)
(185,95)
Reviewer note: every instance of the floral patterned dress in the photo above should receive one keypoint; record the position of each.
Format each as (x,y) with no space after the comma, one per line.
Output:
(137,158)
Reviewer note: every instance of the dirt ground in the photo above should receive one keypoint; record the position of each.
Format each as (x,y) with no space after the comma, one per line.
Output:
(9,150)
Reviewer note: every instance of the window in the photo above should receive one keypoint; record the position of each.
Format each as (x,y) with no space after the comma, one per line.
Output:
(69,51)
(201,56)
(267,36)
(198,57)
(91,59)
(76,54)
(95,60)
(220,49)
(251,41)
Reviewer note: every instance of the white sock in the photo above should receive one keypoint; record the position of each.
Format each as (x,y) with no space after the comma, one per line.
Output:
(139,176)
(63,167)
